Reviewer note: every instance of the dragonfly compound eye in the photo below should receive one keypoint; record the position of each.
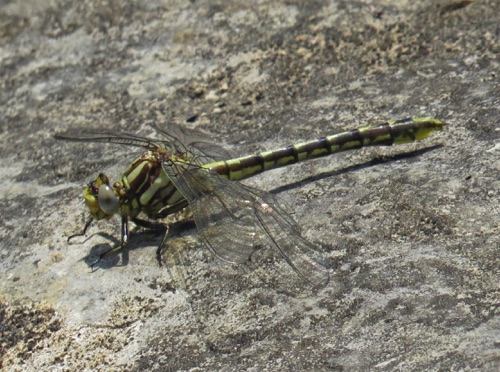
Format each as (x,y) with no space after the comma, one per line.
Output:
(108,202)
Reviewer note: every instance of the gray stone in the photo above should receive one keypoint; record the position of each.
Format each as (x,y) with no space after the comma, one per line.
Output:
(411,232)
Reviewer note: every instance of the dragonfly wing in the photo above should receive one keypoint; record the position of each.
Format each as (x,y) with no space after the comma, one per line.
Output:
(280,231)
(194,143)
(201,152)
(210,152)
(226,224)
(230,217)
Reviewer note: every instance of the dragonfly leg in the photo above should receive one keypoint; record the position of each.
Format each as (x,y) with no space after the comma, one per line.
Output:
(159,249)
(123,243)
(161,228)
(172,209)
(87,224)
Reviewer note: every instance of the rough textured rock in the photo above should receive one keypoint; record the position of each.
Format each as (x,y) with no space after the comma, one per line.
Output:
(411,232)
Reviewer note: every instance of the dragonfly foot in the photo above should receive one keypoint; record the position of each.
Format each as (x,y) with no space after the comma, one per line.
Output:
(101,256)
(158,256)
(93,263)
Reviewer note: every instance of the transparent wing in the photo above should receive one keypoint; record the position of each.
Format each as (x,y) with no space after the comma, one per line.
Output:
(110,137)
(231,218)
(208,152)
(201,152)
(193,143)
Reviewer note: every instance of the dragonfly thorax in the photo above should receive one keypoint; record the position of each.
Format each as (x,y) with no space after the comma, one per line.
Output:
(143,187)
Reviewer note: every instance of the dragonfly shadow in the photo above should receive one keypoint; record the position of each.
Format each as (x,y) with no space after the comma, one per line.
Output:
(137,240)
(109,260)
(353,168)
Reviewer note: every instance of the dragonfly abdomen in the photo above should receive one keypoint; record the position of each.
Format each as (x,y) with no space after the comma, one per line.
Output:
(395,132)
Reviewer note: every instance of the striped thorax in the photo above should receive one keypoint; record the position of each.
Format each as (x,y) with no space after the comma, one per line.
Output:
(143,187)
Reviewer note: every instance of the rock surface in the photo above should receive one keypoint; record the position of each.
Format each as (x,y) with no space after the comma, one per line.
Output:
(411,232)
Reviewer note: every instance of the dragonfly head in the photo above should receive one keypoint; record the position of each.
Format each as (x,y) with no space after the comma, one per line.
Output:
(101,198)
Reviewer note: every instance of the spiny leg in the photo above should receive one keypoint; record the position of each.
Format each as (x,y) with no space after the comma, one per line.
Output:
(161,228)
(124,239)
(123,243)
(84,231)
(160,246)
(172,209)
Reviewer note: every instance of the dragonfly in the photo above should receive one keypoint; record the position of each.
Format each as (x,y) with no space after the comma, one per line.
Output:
(232,219)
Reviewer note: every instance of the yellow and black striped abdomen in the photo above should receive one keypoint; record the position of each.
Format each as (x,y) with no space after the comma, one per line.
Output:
(395,132)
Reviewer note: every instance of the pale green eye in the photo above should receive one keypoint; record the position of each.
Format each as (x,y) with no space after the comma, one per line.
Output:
(108,202)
